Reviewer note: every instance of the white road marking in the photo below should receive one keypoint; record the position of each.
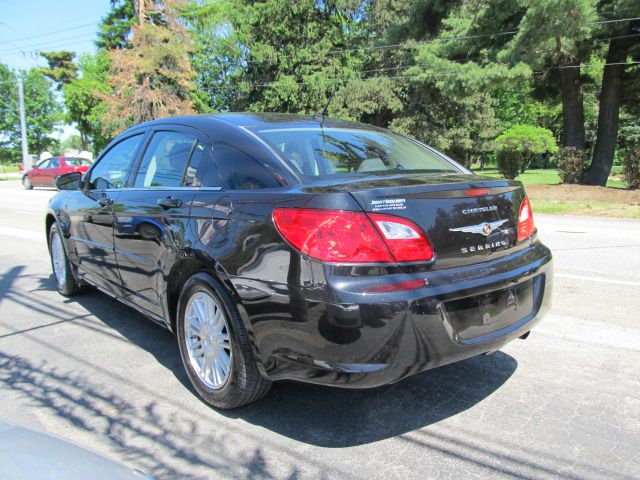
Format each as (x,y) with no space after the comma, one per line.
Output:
(28,212)
(608,281)
(589,332)
(21,233)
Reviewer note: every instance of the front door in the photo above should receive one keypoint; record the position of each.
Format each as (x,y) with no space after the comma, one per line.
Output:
(92,213)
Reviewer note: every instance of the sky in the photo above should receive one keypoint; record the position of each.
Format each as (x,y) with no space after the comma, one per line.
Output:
(30,26)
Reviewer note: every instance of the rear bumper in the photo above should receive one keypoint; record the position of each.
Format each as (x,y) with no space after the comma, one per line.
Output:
(361,340)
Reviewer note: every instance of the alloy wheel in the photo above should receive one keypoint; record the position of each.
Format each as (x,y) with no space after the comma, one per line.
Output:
(206,336)
(59,260)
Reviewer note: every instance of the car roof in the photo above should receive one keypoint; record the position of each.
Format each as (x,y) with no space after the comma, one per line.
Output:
(206,121)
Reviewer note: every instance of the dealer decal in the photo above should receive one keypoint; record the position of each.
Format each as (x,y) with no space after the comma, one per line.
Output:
(388,204)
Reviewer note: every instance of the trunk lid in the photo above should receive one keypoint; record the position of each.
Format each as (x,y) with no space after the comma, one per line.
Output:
(467,218)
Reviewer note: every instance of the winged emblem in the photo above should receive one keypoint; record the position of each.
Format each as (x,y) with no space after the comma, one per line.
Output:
(484,228)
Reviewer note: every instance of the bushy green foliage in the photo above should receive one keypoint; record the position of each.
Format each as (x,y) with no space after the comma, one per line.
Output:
(631,166)
(84,100)
(115,29)
(510,163)
(571,164)
(518,146)
(43,113)
(62,69)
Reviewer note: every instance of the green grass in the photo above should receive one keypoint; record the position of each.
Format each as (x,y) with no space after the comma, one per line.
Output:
(585,207)
(8,169)
(544,176)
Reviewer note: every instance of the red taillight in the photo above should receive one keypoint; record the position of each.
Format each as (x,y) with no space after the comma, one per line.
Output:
(526,226)
(405,240)
(339,236)
(332,235)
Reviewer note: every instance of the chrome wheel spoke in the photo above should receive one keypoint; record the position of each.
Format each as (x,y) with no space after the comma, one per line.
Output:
(225,362)
(58,259)
(222,340)
(206,335)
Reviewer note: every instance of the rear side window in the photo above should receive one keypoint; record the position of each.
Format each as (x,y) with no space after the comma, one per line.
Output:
(165,160)
(76,162)
(229,168)
(111,170)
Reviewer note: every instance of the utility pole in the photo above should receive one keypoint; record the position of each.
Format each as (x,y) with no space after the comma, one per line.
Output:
(26,164)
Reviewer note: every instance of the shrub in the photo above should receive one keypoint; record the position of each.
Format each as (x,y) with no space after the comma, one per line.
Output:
(571,164)
(631,166)
(523,143)
(510,163)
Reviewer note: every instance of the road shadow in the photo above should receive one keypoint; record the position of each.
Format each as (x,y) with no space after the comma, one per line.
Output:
(319,415)
(336,418)
(170,435)
(316,415)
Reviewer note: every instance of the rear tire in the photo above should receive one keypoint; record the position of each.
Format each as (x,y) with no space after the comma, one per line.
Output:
(214,345)
(66,283)
(26,183)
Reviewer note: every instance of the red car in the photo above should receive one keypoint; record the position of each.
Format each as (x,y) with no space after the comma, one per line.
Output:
(45,171)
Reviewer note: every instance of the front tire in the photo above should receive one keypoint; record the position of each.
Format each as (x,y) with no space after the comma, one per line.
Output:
(214,346)
(26,183)
(62,274)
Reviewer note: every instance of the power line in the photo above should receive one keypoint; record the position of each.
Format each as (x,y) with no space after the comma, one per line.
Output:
(53,43)
(55,32)
(418,75)
(405,45)
(616,20)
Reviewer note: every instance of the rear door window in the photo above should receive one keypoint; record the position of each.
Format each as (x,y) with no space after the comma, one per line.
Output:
(229,168)
(165,159)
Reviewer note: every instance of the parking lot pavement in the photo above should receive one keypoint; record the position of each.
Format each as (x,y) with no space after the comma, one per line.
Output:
(564,403)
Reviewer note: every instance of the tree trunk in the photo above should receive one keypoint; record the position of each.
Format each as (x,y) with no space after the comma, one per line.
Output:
(85,141)
(608,118)
(572,108)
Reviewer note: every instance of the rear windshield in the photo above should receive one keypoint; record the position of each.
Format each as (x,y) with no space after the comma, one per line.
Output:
(321,152)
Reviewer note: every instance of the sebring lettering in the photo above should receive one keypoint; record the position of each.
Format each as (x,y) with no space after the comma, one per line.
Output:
(485,246)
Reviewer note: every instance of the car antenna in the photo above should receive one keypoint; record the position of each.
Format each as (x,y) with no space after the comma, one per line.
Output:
(320,117)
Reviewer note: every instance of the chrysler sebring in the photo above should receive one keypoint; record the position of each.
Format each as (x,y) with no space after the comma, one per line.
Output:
(286,247)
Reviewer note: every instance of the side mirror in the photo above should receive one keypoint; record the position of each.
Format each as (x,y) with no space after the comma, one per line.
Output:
(69,181)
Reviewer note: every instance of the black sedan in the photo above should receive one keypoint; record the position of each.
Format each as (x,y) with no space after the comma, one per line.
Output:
(287,247)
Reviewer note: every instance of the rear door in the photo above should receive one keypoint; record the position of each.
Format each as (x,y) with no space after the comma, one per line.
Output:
(151,214)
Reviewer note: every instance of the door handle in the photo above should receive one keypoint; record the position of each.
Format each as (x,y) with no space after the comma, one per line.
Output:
(170,202)
(105,201)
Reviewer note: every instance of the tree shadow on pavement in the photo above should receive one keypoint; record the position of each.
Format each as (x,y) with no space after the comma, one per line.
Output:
(157,433)
(325,416)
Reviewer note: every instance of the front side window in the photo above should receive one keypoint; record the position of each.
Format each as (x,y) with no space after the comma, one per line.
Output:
(44,164)
(55,163)
(165,160)
(323,152)
(111,170)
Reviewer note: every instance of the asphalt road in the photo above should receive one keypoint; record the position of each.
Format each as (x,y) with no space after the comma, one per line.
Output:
(564,403)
